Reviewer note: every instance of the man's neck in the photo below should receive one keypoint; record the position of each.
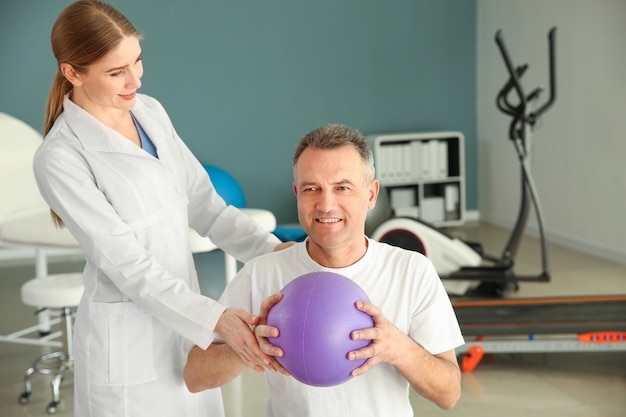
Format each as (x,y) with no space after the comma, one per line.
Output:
(337,258)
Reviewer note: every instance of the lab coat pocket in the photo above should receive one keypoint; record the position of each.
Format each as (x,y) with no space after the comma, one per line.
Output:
(120,349)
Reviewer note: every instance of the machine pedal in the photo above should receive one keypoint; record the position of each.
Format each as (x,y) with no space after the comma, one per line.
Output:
(472,358)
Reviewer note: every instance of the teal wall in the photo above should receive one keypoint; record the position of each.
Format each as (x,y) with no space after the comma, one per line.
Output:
(244,80)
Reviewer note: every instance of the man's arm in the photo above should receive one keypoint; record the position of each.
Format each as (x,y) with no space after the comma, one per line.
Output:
(211,368)
(219,363)
(435,377)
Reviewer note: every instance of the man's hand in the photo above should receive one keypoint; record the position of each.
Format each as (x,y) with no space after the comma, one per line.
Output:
(435,377)
(384,336)
(262,331)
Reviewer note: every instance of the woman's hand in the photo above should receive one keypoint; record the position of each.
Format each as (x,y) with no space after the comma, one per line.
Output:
(234,327)
(283,245)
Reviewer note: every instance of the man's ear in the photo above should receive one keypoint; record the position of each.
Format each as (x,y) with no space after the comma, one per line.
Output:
(374,189)
(70,74)
(295,189)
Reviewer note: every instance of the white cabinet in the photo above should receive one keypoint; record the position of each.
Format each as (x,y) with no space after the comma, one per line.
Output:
(422,174)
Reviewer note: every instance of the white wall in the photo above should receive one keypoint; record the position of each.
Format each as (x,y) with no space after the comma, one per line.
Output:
(579,159)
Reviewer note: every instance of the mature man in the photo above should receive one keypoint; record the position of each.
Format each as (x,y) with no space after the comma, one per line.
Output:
(415,330)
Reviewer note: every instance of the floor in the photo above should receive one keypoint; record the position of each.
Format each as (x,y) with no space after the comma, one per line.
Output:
(579,384)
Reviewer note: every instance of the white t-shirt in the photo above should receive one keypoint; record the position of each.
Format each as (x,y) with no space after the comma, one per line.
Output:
(402,283)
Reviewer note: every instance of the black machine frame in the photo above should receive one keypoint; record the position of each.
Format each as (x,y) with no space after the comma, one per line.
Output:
(525,113)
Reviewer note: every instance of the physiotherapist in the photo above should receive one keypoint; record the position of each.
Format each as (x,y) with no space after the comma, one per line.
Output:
(116,174)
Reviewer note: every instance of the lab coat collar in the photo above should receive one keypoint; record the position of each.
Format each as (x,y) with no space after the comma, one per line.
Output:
(96,136)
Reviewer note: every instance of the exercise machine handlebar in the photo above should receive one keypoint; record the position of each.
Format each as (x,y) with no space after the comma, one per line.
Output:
(520,111)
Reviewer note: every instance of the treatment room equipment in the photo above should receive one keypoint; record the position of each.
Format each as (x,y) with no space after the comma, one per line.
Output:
(507,324)
(455,259)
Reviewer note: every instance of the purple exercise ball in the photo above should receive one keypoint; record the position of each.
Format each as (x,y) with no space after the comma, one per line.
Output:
(315,318)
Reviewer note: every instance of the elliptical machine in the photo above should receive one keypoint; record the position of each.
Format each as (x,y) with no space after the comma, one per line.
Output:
(496,276)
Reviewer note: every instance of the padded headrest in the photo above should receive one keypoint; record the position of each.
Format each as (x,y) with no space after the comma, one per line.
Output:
(18,143)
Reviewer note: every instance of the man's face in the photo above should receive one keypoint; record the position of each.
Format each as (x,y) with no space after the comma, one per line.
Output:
(333,197)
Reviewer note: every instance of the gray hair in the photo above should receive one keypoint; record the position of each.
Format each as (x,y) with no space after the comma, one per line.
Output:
(333,136)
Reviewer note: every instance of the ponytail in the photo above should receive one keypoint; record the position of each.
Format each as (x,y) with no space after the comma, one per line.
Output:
(60,87)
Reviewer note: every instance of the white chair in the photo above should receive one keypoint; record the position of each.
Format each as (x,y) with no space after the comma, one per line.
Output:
(232,193)
(26,228)
(200,244)
(59,292)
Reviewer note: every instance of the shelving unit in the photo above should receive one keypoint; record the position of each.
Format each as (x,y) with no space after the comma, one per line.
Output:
(422,174)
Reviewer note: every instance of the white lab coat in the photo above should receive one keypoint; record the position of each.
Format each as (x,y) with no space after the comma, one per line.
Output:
(142,309)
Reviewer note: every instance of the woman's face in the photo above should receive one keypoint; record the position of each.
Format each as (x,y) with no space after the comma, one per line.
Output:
(112,81)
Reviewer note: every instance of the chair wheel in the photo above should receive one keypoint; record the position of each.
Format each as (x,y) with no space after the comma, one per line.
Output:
(24,397)
(52,407)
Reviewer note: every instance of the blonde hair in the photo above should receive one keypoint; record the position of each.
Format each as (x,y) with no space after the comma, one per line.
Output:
(84,32)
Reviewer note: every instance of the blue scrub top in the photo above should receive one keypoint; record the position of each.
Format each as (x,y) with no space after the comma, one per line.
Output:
(146,143)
